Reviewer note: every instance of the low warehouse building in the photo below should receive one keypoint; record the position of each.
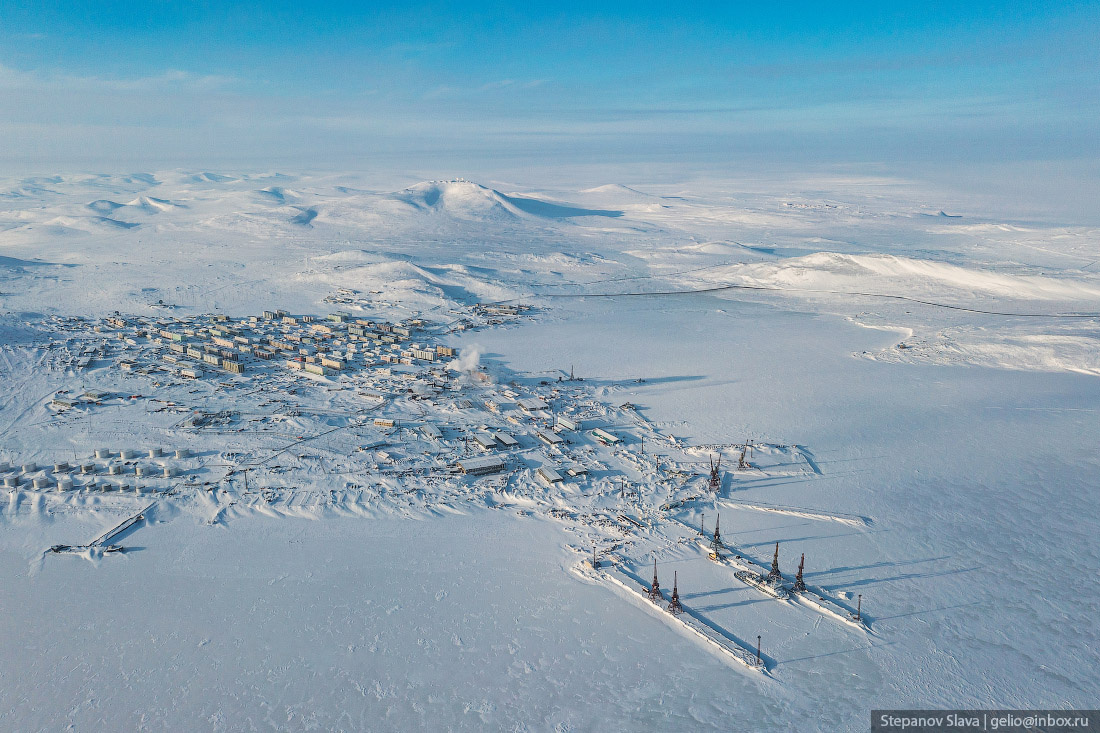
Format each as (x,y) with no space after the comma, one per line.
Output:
(605,437)
(549,438)
(485,441)
(548,475)
(532,404)
(481,466)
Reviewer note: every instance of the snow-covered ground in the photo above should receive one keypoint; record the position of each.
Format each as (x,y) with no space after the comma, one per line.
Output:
(919,378)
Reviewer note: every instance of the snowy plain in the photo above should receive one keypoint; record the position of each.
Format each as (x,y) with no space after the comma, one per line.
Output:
(958,423)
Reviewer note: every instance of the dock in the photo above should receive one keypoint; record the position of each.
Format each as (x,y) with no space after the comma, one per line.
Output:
(727,647)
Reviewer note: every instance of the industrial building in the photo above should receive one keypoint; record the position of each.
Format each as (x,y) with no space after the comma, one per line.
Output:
(481,465)
(548,475)
(485,441)
(551,439)
(569,423)
(605,437)
(532,404)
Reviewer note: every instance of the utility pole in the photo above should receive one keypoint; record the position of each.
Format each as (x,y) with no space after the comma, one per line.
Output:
(758,660)
(859,607)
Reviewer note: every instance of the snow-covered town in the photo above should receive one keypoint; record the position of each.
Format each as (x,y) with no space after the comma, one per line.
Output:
(220,417)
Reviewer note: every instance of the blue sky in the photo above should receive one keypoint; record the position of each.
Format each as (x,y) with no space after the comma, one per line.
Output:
(275,84)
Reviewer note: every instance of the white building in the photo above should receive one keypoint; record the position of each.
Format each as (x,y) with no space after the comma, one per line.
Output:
(481,465)
(548,475)
(485,441)
(532,404)
(548,437)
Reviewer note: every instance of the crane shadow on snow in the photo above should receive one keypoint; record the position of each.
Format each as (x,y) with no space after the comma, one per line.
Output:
(928,610)
(808,538)
(906,576)
(706,593)
(837,652)
(875,566)
(769,482)
(725,606)
(769,530)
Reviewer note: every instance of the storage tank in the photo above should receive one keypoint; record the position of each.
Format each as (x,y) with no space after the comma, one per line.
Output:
(155,452)
(30,467)
(65,484)
(114,469)
(102,453)
(126,454)
(87,468)
(11,482)
(183,453)
(41,483)
(62,467)
(169,472)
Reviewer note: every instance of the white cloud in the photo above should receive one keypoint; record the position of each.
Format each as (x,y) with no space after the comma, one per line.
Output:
(169,80)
